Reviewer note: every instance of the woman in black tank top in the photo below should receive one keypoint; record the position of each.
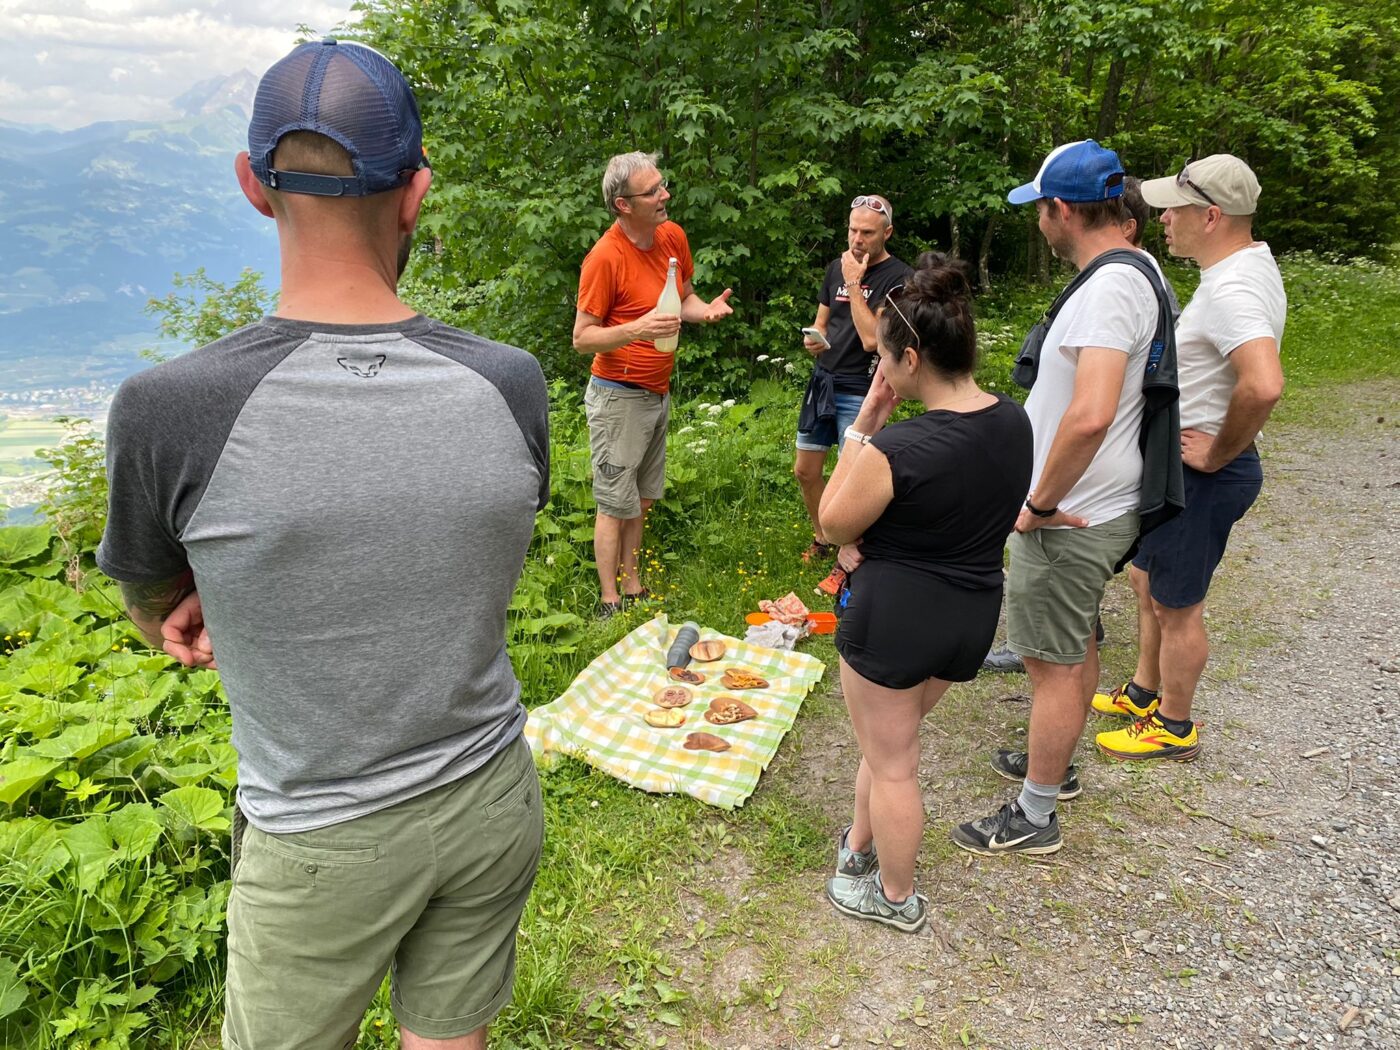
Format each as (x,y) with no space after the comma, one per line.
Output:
(930,501)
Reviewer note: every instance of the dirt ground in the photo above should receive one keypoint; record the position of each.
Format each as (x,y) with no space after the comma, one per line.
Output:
(1248,899)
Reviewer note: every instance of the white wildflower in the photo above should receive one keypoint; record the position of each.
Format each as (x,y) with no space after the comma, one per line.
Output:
(728,402)
(685,430)
(761,357)
(789,368)
(698,446)
(708,423)
(549,559)
(703,406)
(714,410)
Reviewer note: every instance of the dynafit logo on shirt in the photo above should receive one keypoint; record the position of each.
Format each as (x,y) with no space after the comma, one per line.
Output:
(364,369)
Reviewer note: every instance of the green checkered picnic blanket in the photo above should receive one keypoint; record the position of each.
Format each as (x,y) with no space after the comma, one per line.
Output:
(598,719)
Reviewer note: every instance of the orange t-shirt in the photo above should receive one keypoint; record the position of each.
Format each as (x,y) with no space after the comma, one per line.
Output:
(619,283)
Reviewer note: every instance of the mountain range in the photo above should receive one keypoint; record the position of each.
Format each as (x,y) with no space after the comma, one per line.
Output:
(95,221)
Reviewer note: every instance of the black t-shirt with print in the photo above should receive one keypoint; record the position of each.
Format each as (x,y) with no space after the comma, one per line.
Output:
(847,358)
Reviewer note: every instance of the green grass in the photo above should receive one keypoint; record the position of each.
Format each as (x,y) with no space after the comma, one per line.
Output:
(653,918)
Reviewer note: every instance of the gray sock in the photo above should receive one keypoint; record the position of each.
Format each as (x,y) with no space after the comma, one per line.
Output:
(1038,801)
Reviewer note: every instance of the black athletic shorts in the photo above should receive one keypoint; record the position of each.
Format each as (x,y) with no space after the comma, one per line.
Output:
(900,627)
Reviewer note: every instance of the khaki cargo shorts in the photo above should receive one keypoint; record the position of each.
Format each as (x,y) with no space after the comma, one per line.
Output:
(430,890)
(1055,585)
(627,435)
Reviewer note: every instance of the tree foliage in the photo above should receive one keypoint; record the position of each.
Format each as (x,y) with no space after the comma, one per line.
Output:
(771,114)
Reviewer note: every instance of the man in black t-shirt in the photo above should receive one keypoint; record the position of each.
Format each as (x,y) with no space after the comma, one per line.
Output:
(845,357)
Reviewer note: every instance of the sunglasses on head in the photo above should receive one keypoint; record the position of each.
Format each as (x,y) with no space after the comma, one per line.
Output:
(1184,179)
(875,204)
(918,343)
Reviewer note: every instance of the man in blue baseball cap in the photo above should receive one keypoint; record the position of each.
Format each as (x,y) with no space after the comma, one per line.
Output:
(1081,517)
(341,495)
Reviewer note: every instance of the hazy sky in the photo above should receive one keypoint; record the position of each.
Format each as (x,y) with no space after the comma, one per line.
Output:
(71,62)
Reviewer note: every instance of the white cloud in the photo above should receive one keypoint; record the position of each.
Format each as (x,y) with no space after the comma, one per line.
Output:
(71,62)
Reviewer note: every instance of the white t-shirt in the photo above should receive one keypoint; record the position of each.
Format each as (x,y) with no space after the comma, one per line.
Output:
(1240,298)
(1115,309)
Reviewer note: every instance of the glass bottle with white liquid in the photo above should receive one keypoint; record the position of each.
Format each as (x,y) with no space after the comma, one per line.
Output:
(669,303)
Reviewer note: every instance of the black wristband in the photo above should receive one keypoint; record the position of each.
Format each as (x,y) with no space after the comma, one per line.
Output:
(1040,513)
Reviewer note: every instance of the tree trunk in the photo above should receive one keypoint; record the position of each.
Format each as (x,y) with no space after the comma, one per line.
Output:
(955,237)
(1043,258)
(1032,251)
(1108,109)
(984,254)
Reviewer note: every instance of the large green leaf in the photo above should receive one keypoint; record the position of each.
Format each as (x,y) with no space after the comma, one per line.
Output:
(13,991)
(20,543)
(183,775)
(77,742)
(31,850)
(128,835)
(17,778)
(145,686)
(123,758)
(49,677)
(197,807)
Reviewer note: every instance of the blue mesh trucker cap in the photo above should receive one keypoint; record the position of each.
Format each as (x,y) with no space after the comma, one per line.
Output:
(349,93)
(1077,172)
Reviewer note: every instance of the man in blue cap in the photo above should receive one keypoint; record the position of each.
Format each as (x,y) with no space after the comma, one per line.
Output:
(341,495)
(1081,517)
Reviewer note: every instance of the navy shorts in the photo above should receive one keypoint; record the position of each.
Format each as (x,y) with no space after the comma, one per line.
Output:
(1180,557)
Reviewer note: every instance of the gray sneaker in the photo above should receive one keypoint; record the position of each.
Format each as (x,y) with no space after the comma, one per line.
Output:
(1003,661)
(864,898)
(849,862)
(1013,764)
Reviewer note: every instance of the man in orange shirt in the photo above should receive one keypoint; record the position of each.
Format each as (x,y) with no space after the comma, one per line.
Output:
(628,400)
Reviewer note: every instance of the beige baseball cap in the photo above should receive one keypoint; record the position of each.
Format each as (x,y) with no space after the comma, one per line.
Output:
(1220,179)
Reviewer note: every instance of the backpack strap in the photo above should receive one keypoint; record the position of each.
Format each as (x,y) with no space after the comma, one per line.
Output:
(1027,363)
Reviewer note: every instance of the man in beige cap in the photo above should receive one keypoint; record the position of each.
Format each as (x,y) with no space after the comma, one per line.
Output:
(1227,344)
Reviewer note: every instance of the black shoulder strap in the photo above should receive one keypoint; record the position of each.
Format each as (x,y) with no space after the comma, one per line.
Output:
(1027,363)
(1139,262)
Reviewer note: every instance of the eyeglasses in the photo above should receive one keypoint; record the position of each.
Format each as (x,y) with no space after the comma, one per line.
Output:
(875,204)
(889,298)
(651,192)
(1184,179)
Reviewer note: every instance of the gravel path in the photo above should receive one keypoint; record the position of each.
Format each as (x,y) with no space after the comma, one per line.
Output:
(1301,943)
(1249,899)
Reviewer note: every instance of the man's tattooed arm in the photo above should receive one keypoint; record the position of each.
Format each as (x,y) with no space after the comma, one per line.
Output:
(148,604)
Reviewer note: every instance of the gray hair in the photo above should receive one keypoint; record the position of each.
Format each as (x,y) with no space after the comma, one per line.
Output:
(619,174)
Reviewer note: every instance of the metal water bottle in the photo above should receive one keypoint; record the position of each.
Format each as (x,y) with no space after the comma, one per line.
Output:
(679,653)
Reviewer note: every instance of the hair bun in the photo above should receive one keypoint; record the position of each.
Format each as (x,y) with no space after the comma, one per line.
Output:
(939,278)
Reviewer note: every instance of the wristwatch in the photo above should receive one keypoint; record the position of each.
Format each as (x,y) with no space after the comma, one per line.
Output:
(852,434)
(1038,512)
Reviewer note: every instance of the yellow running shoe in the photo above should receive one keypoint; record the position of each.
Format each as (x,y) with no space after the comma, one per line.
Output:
(1149,738)
(1120,703)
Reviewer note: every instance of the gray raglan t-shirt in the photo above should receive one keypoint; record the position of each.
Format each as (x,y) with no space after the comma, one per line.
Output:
(355,502)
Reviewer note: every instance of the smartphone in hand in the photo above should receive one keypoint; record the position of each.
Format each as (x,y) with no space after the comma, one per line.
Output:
(815,334)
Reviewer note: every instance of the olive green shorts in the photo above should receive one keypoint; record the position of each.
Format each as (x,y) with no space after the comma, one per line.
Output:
(1055,585)
(430,890)
(627,436)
